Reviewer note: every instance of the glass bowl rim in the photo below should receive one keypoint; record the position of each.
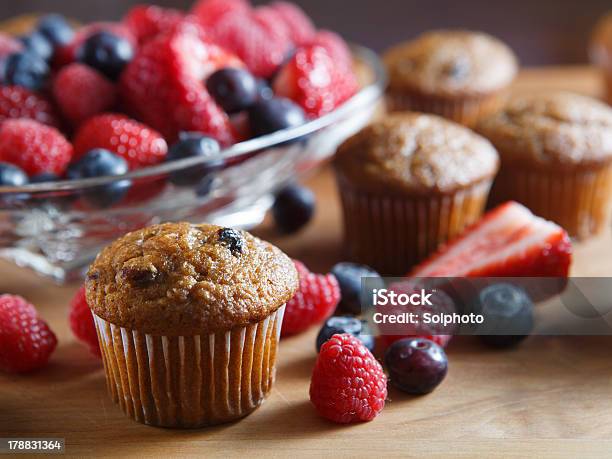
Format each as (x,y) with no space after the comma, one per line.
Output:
(368,93)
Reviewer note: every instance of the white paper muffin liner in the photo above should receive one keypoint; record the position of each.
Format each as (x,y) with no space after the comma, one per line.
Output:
(190,381)
(394,233)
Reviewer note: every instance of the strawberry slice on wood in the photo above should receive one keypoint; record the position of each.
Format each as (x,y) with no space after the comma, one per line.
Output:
(509,241)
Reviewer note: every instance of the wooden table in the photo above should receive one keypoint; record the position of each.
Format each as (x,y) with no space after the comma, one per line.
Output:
(550,397)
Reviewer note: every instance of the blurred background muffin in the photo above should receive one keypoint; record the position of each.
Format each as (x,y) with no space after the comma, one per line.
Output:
(600,51)
(556,158)
(458,74)
(408,183)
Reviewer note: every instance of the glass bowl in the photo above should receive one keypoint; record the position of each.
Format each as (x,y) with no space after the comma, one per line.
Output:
(57,228)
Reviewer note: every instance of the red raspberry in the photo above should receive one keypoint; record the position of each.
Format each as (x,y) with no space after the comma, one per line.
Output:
(315,81)
(9,45)
(315,301)
(34,147)
(253,38)
(210,12)
(301,29)
(67,54)
(26,341)
(81,92)
(163,85)
(82,323)
(18,102)
(336,47)
(148,21)
(138,144)
(348,384)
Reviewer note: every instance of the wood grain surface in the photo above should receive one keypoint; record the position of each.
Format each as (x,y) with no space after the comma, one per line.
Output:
(550,397)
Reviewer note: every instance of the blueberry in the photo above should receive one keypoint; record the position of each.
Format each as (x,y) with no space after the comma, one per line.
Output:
(11,175)
(107,53)
(350,277)
(351,325)
(233,89)
(270,115)
(99,163)
(293,208)
(38,44)
(26,69)
(190,145)
(508,314)
(264,91)
(232,239)
(56,29)
(44,177)
(416,365)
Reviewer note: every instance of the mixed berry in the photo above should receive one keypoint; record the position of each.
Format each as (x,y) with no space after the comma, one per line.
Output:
(163,84)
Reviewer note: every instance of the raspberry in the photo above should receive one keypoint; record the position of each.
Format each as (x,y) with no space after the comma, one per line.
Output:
(147,21)
(9,45)
(315,81)
(255,39)
(138,144)
(34,147)
(300,27)
(82,323)
(18,102)
(163,85)
(81,92)
(348,384)
(210,12)
(68,54)
(315,301)
(26,341)
(336,47)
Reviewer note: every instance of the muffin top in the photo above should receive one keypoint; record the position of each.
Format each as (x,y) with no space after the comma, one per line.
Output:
(552,128)
(182,279)
(601,42)
(451,63)
(415,153)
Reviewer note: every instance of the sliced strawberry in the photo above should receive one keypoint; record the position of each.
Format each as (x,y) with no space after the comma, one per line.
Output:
(67,54)
(163,85)
(315,81)
(147,21)
(210,12)
(300,27)
(509,241)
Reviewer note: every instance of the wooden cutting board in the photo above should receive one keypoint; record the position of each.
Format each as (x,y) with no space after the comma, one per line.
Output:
(550,397)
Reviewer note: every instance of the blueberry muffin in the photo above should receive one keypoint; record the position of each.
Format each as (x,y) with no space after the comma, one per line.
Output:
(188,318)
(408,183)
(556,158)
(458,74)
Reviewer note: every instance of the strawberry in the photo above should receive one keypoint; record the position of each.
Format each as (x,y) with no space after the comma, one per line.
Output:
(34,147)
(261,44)
(509,241)
(163,85)
(81,92)
(9,45)
(315,300)
(210,12)
(315,81)
(139,145)
(147,21)
(300,27)
(18,102)
(68,53)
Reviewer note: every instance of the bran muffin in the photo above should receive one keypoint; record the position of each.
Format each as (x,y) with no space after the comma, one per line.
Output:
(556,158)
(188,318)
(600,51)
(458,74)
(408,183)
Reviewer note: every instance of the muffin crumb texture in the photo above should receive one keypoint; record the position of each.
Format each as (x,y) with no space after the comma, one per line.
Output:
(552,128)
(179,279)
(415,153)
